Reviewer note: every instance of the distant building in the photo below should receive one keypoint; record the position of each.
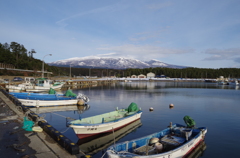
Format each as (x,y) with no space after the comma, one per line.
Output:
(134,76)
(141,76)
(150,75)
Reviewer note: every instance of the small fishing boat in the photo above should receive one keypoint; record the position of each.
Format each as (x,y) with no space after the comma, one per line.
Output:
(35,85)
(233,82)
(43,100)
(175,141)
(106,122)
(43,84)
(28,82)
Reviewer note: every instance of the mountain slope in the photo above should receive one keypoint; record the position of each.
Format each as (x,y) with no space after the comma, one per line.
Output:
(113,63)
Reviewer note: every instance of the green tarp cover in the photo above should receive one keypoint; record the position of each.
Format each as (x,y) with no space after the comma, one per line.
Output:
(51,91)
(27,124)
(132,107)
(69,93)
(189,121)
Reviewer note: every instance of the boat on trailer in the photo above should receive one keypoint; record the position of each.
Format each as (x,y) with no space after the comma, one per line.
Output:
(105,123)
(176,141)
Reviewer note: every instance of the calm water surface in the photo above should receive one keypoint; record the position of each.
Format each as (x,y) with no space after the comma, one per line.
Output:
(211,105)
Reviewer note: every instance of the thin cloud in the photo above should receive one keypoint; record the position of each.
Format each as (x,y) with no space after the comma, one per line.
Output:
(143,52)
(222,54)
(63,22)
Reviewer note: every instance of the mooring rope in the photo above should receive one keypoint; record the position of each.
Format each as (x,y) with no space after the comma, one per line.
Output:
(65,130)
(113,140)
(59,115)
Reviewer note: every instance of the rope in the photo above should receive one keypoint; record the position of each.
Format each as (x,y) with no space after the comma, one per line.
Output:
(27,112)
(104,154)
(59,115)
(114,137)
(65,130)
(41,118)
(87,156)
(19,108)
(114,142)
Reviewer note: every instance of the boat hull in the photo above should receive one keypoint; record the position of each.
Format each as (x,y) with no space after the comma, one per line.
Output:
(42,88)
(83,131)
(31,88)
(45,103)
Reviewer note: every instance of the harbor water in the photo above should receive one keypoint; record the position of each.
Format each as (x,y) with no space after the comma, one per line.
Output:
(209,104)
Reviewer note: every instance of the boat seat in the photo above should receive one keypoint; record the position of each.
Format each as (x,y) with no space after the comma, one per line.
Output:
(172,140)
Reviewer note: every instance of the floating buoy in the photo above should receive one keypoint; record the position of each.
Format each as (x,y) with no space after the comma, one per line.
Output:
(171,105)
(80,102)
(151,109)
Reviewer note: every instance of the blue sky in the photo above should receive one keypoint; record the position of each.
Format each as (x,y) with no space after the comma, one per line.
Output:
(197,33)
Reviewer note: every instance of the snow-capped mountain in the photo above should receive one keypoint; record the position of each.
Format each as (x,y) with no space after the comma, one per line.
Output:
(112,63)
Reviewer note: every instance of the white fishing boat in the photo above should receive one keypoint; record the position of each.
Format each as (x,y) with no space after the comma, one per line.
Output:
(43,100)
(28,82)
(35,85)
(176,141)
(233,82)
(106,122)
(42,84)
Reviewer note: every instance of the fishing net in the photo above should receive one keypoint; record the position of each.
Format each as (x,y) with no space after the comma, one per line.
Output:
(132,107)
(69,93)
(27,124)
(189,121)
(51,91)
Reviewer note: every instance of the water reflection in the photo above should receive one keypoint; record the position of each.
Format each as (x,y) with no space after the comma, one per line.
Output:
(96,143)
(82,108)
(78,108)
(208,103)
(159,85)
(198,151)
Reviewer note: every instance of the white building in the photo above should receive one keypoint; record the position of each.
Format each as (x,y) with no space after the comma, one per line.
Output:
(150,75)
(141,76)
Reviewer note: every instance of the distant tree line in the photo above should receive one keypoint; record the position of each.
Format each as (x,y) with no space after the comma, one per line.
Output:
(187,72)
(158,71)
(17,55)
